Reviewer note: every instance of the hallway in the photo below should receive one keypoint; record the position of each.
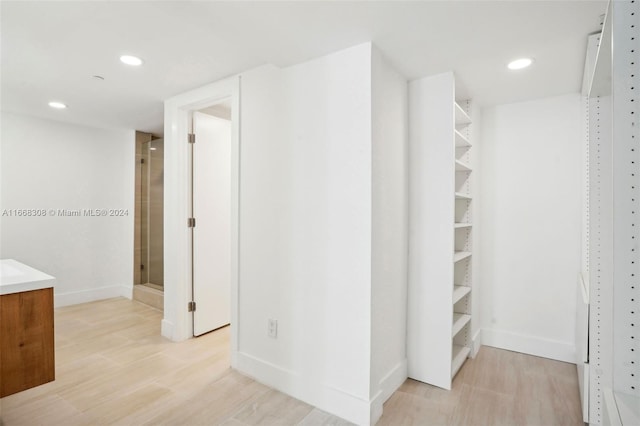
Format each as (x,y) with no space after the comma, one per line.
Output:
(112,367)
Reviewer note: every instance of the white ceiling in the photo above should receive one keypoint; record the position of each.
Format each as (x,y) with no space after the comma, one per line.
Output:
(51,50)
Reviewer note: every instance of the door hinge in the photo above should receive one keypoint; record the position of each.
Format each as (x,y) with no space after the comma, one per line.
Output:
(191,307)
(142,161)
(191,222)
(192,138)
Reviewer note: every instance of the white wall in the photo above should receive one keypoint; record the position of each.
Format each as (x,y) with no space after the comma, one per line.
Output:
(305,230)
(530,234)
(52,165)
(389,231)
(307,207)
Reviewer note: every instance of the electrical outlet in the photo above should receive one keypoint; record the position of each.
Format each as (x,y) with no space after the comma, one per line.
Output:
(272,328)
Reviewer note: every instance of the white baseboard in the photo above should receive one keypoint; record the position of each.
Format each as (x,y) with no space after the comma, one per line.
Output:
(537,346)
(476,342)
(90,295)
(127,292)
(166,329)
(387,386)
(332,400)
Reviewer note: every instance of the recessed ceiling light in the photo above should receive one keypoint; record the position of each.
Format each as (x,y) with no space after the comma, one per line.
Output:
(57,105)
(131,60)
(519,64)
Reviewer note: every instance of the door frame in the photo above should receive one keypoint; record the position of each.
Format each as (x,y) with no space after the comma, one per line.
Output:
(177,323)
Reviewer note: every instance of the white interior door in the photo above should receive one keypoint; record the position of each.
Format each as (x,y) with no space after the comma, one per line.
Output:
(212,233)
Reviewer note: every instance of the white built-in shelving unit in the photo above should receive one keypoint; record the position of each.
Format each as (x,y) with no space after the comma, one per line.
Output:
(440,251)
(609,352)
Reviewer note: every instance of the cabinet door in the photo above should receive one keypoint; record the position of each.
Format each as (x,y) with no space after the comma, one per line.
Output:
(27,342)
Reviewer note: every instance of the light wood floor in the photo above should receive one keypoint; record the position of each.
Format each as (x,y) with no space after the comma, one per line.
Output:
(498,387)
(112,367)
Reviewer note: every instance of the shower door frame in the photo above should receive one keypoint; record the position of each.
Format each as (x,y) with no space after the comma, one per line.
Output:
(177,323)
(147,164)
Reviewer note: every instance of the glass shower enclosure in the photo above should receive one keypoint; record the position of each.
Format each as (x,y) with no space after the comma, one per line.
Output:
(149,212)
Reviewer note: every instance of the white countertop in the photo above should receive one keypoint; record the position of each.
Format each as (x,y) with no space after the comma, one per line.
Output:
(16,277)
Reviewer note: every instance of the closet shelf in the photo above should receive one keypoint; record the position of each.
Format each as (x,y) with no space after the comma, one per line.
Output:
(462,167)
(461,141)
(460,353)
(459,321)
(462,225)
(460,291)
(459,255)
(461,116)
(461,196)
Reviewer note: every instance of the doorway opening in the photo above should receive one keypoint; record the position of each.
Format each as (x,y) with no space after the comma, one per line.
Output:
(211,209)
(179,265)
